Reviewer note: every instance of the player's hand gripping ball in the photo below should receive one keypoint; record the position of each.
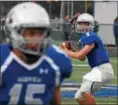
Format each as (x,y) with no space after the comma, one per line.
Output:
(65,44)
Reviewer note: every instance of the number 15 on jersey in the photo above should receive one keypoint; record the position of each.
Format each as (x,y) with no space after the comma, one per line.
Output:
(31,90)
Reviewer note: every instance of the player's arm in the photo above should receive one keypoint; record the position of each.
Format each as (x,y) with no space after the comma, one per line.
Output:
(81,54)
(56,98)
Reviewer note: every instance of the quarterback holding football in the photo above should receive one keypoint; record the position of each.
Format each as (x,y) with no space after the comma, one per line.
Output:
(93,49)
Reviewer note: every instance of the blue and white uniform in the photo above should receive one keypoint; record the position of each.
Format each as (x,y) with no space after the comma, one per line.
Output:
(102,71)
(99,54)
(24,84)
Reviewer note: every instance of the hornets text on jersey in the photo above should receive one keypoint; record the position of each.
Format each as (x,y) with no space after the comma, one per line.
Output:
(24,84)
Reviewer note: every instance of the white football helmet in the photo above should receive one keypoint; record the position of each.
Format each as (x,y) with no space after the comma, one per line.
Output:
(26,15)
(85,17)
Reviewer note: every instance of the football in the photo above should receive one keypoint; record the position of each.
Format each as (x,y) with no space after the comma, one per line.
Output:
(65,44)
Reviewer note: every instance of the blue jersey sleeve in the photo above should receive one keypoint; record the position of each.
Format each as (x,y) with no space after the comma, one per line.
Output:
(62,61)
(4,52)
(88,38)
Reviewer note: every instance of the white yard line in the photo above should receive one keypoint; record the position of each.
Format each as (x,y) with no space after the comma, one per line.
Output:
(80,65)
(100,103)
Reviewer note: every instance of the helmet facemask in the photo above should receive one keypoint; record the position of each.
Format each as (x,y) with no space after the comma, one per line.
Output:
(83,27)
(30,45)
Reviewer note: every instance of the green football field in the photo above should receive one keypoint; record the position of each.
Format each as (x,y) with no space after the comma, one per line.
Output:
(81,68)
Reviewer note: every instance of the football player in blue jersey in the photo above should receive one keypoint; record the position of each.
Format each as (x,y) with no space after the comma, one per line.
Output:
(32,68)
(93,49)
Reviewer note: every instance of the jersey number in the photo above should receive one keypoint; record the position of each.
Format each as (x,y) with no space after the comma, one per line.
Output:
(31,89)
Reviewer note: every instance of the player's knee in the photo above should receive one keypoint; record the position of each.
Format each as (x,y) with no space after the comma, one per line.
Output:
(85,87)
(85,97)
(79,95)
